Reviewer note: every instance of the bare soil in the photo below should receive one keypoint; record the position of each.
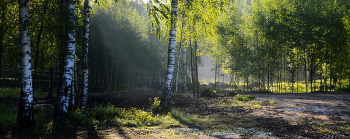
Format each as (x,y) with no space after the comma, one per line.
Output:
(309,115)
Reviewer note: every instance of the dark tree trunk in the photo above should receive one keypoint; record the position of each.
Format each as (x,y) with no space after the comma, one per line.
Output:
(1,38)
(196,65)
(37,53)
(192,71)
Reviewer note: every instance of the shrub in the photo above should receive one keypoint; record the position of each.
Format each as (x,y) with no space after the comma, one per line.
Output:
(104,113)
(246,98)
(343,89)
(155,105)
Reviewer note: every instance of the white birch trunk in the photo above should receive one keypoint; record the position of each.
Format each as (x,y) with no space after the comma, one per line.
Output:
(26,112)
(63,99)
(179,56)
(177,69)
(171,57)
(73,93)
(85,53)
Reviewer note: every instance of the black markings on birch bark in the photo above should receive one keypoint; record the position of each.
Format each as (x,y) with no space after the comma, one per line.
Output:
(25,117)
(171,57)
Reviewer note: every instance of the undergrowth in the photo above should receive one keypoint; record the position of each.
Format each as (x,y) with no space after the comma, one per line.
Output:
(101,115)
(10,92)
(7,117)
(244,98)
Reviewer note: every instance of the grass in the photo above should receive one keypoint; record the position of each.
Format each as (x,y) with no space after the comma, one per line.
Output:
(215,116)
(189,118)
(10,92)
(244,98)
(288,87)
(8,117)
(98,115)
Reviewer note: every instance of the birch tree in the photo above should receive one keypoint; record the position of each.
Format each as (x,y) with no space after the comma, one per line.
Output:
(64,94)
(171,57)
(85,52)
(26,112)
(179,54)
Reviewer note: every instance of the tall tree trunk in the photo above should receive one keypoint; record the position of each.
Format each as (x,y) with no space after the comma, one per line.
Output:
(311,71)
(185,71)
(196,64)
(85,57)
(192,72)
(177,70)
(268,77)
(171,56)
(281,74)
(263,76)
(305,69)
(64,94)
(216,73)
(37,51)
(25,116)
(116,70)
(51,84)
(180,49)
(1,37)
(73,92)
(107,77)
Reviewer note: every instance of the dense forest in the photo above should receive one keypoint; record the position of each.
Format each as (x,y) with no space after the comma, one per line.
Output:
(67,49)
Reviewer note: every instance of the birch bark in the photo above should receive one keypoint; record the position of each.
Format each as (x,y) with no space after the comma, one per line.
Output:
(63,99)
(171,57)
(85,52)
(25,116)
(179,55)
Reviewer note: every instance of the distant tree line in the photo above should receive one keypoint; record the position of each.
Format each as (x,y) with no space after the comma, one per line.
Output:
(272,41)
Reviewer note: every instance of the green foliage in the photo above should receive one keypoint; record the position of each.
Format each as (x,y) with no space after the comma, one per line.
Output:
(124,117)
(104,113)
(244,98)
(155,105)
(10,92)
(8,117)
(343,89)
(125,23)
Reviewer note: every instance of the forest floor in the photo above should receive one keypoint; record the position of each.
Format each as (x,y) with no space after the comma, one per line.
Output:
(309,115)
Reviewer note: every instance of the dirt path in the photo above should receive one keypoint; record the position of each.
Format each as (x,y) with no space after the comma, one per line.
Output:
(323,106)
(312,115)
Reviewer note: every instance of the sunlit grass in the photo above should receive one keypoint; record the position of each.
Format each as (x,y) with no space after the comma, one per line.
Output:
(296,87)
(188,118)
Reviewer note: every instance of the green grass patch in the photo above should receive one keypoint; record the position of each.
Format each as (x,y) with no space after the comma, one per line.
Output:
(188,118)
(244,98)
(10,92)
(8,117)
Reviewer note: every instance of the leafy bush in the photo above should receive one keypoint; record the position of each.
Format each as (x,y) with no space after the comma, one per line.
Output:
(132,117)
(79,116)
(105,113)
(155,105)
(246,98)
(343,89)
